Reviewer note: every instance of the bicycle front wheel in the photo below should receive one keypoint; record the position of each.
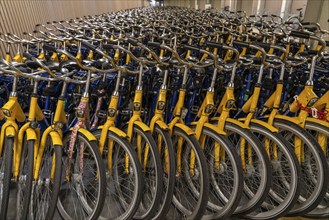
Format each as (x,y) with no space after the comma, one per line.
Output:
(123,178)
(225,172)
(46,186)
(6,173)
(192,183)
(285,187)
(83,189)
(321,134)
(313,164)
(149,157)
(24,187)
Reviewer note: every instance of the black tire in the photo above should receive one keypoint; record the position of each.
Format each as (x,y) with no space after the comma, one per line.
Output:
(45,189)
(119,183)
(257,176)
(71,205)
(226,180)
(8,147)
(322,210)
(167,155)
(153,174)
(183,206)
(24,187)
(285,171)
(314,168)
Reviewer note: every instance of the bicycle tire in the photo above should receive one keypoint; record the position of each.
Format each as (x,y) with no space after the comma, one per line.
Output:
(279,200)
(178,209)
(226,182)
(322,210)
(166,147)
(25,179)
(257,175)
(152,173)
(113,182)
(309,199)
(84,211)
(46,190)
(8,147)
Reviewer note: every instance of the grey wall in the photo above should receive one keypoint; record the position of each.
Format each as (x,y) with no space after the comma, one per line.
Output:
(17,16)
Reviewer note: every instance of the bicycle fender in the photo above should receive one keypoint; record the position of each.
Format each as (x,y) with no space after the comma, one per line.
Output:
(56,138)
(31,134)
(162,125)
(264,124)
(318,121)
(237,123)
(118,132)
(10,131)
(86,133)
(185,128)
(214,128)
(143,126)
(287,118)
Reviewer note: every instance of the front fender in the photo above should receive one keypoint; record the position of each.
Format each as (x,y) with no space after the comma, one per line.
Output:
(143,126)
(86,133)
(162,125)
(185,128)
(118,132)
(214,128)
(264,124)
(287,118)
(56,138)
(318,121)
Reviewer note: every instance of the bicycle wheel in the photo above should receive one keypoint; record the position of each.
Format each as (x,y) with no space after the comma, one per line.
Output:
(256,167)
(225,172)
(24,184)
(285,187)
(124,187)
(46,187)
(321,134)
(185,203)
(152,172)
(314,167)
(6,172)
(167,154)
(83,188)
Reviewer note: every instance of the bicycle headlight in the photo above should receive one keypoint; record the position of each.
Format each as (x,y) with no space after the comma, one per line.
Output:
(137,106)
(6,112)
(312,102)
(111,112)
(161,105)
(209,108)
(58,125)
(230,103)
(80,113)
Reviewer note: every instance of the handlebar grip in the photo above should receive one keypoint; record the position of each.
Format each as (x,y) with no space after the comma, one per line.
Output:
(241,44)
(49,48)
(28,56)
(312,52)
(153,44)
(299,34)
(213,44)
(265,46)
(327,43)
(306,23)
(88,45)
(132,41)
(288,22)
(189,47)
(107,46)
